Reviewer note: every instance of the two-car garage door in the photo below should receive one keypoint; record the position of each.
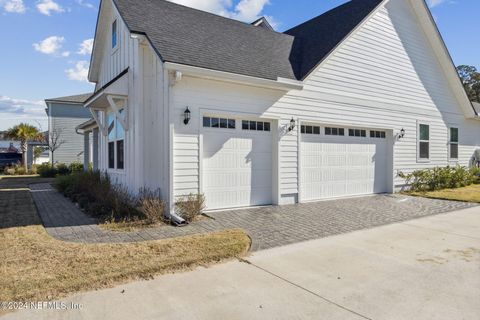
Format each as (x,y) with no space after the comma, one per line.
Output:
(340,162)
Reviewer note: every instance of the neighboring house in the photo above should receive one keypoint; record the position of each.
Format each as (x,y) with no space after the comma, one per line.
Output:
(64,115)
(190,102)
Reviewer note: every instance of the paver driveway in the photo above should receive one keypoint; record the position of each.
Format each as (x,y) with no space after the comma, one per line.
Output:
(268,227)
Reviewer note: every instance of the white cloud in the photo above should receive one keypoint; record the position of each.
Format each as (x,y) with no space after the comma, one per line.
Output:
(21,106)
(434,3)
(79,72)
(13,6)
(46,7)
(51,46)
(85,4)
(245,10)
(86,47)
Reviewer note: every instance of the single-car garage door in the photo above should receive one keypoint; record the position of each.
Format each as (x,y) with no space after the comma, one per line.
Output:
(236,163)
(340,162)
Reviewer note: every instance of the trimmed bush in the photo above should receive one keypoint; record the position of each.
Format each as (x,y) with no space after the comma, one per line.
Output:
(439,178)
(75,167)
(191,206)
(45,170)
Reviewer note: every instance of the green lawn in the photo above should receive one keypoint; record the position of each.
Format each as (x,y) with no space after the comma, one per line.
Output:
(468,194)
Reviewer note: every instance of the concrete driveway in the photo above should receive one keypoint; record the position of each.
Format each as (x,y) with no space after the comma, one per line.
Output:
(421,269)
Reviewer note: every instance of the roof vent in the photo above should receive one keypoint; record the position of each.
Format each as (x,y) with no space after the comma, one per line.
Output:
(262,23)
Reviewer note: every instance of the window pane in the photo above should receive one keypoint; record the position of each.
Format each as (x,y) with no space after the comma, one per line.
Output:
(454,151)
(266,126)
(245,125)
(111,126)
(363,133)
(231,123)
(309,129)
(351,132)
(260,126)
(111,155)
(378,134)
(424,132)
(223,123)
(453,134)
(303,129)
(341,132)
(372,134)
(316,130)
(383,135)
(114,34)
(357,133)
(253,125)
(119,127)
(215,123)
(206,122)
(424,150)
(335,131)
(328,131)
(120,153)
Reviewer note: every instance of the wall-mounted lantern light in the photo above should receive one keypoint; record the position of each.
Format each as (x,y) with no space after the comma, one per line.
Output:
(292,125)
(186,115)
(402,133)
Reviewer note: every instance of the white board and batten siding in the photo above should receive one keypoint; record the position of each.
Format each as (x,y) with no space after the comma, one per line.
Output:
(385,76)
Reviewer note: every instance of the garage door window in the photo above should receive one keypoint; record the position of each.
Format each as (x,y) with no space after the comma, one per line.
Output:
(357,133)
(378,134)
(334,131)
(310,129)
(255,125)
(224,123)
(423,141)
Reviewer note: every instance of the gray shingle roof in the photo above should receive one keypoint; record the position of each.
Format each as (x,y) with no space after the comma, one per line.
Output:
(79,98)
(192,37)
(316,38)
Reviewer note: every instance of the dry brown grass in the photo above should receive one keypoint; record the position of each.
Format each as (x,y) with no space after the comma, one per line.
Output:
(468,194)
(34,266)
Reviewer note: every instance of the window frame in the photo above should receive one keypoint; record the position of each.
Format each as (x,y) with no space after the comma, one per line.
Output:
(315,130)
(450,143)
(419,141)
(362,133)
(115,141)
(114,35)
(227,122)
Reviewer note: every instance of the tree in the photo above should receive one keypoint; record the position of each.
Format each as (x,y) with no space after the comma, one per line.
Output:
(24,133)
(471,81)
(37,152)
(54,141)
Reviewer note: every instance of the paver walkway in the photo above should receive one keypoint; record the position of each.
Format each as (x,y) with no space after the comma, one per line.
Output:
(268,227)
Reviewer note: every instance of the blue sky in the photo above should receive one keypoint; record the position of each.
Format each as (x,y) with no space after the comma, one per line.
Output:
(46,43)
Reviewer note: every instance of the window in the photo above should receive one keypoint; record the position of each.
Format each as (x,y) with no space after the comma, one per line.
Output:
(310,129)
(255,125)
(378,134)
(357,133)
(334,131)
(114,34)
(423,142)
(453,143)
(116,144)
(223,123)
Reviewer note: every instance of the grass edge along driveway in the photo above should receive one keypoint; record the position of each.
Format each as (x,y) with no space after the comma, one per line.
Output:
(36,267)
(467,194)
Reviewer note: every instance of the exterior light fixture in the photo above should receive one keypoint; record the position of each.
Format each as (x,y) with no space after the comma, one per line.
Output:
(186,115)
(292,125)
(402,133)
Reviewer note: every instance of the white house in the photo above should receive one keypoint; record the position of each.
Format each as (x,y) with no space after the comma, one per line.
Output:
(190,102)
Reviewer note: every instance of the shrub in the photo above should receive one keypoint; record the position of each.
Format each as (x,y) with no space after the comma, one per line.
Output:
(9,171)
(439,178)
(191,206)
(45,170)
(62,169)
(20,171)
(33,169)
(75,167)
(151,205)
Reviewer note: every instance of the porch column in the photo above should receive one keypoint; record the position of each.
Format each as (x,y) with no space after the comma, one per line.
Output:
(95,149)
(86,150)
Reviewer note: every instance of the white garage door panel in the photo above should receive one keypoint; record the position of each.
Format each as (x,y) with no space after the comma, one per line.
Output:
(237,168)
(343,166)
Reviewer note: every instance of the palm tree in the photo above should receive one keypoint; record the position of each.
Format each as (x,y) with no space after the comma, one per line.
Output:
(24,133)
